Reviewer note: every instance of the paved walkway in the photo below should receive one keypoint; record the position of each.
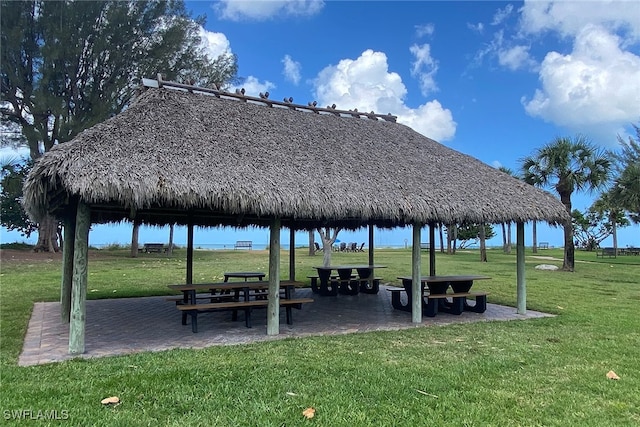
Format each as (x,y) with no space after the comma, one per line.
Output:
(129,325)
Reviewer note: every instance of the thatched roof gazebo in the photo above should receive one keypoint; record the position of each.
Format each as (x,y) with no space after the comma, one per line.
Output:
(202,157)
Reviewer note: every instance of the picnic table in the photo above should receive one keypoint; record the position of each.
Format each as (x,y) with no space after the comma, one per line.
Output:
(346,282)
(437,298)
(244,275)
(233,296)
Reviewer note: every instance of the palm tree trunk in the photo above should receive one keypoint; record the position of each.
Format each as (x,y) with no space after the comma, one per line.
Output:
(509,238)
(170,249)
(441,239)
(504,238)
(134,239)
(483,245)
(569,248)
(534,231)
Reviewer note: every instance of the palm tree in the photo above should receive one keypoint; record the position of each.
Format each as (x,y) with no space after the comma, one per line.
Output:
(568,165)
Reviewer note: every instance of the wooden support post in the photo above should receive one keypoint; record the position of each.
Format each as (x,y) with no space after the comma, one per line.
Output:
(189,278)
(292,254)
(416,276)
(67,268)
(273,307)
(432,248)
(79,286)
(521,282)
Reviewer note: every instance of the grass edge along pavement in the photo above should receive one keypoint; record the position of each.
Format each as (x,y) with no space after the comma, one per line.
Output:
(540,372)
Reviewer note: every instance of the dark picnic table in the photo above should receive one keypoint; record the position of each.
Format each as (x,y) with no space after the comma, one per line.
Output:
(346,282)
(437,296)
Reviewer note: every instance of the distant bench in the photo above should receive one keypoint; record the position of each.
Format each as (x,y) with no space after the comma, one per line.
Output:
(424,246)
(543,245)
(153,247)
(606,252)
(243,244)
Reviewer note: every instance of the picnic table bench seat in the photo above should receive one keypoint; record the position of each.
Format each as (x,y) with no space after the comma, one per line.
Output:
(246,306)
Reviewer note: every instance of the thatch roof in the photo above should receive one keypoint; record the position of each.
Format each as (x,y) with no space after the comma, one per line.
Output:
(174,154)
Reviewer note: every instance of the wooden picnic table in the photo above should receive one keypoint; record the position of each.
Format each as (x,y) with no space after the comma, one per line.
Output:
(244,275)
(437,297)
(234,296)
(345,282)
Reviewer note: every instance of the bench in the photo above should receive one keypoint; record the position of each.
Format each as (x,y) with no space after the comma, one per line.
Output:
(543,245)
(438,302)
(606,252)
(154,247)
(246,306)
(243,244)
(424,246)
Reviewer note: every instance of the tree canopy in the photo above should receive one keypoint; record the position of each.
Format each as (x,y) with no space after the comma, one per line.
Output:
(625,191)
(68,65)
(71,64)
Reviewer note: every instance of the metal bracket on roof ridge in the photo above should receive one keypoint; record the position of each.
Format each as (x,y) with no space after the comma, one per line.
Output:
(264,99)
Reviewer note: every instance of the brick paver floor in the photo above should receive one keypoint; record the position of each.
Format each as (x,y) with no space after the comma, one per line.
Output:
(129,325)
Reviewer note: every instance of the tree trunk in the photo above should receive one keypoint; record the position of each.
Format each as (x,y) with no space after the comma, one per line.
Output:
(504,238)
(312,243)
(509,238)
(170,249)
(328,239)
(441,238)
(134,239)
(483,243)
(569,248)
(614,229)
(534,231)
(47,235)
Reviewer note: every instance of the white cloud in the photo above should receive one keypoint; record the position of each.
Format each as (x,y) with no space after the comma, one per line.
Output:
(496,164)
(215,44)
(253,86)
(367,84)
(424,68)
(502,14)
(515,57)
(569,17)
(236,10)
(291,69)
(478,28)
(425,30)
(597,84)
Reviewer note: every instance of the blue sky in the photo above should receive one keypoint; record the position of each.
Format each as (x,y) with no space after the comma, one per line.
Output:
(495,80)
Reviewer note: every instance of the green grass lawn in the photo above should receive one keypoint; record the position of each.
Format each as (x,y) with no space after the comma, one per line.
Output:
(544,372)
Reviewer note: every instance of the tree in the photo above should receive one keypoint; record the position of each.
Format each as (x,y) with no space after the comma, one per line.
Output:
(12,216)
(68,65)
(328,236)
(469,234)
(625,192)
(593,226)
(610,214)
(568,165)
